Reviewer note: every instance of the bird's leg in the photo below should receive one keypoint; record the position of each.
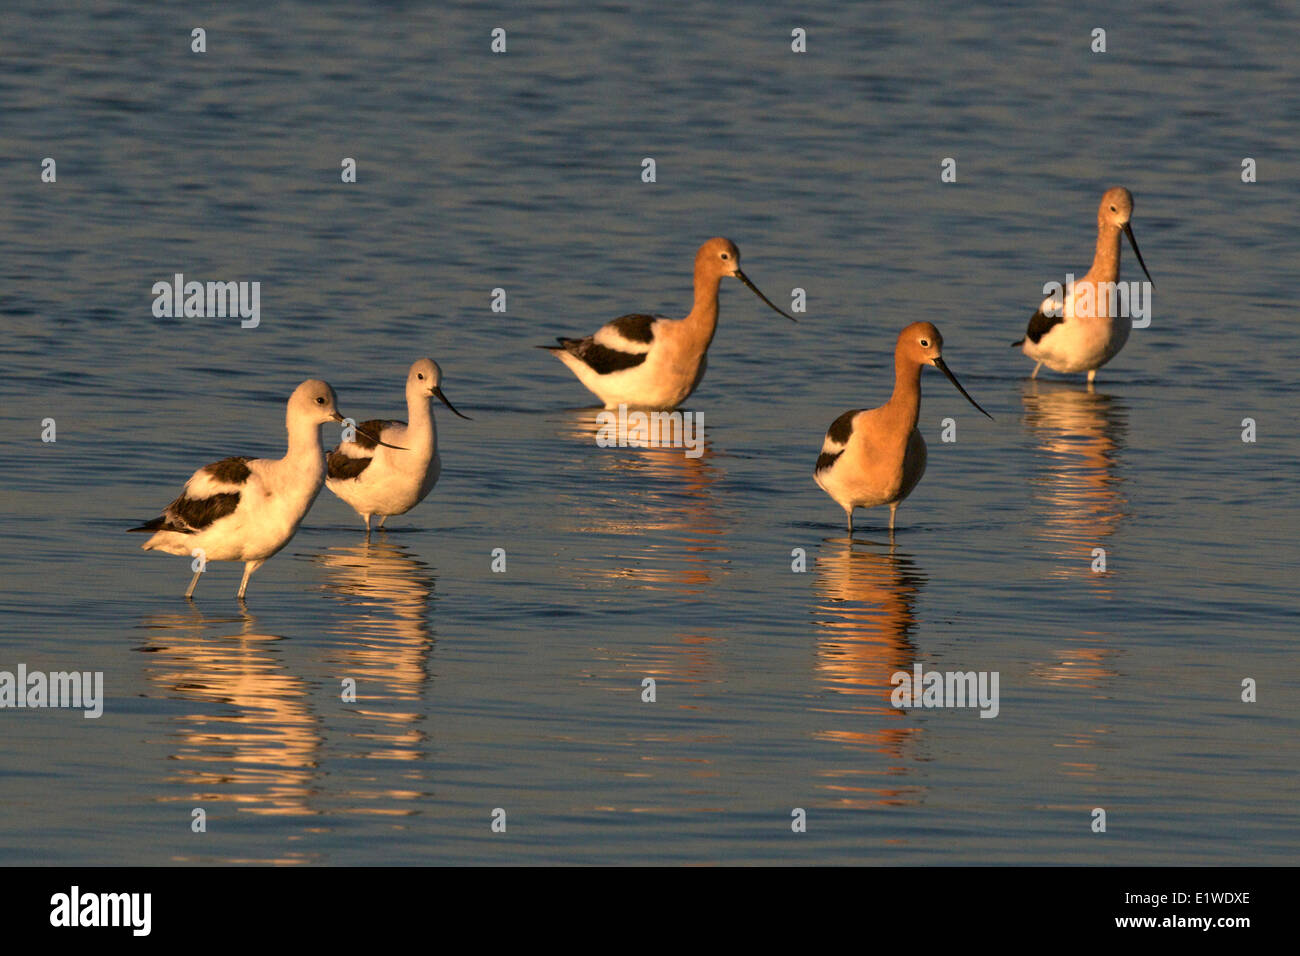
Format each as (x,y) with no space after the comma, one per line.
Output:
(849,512)
(892,509)
(189,592)
(1092,375)
(382,519)
(249,568)
(1036,368)
(367,517)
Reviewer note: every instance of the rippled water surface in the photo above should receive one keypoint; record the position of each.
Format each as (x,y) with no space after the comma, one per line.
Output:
(522,690)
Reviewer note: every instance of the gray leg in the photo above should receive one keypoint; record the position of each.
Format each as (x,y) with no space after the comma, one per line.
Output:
(849,512)
(189,593)
(892,510)
(382,519)
(1036,368)
(249,568)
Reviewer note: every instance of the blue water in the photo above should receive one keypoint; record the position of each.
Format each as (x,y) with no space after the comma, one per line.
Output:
(522,690)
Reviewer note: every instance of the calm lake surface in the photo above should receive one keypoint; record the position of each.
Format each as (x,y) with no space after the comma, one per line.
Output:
(522,690)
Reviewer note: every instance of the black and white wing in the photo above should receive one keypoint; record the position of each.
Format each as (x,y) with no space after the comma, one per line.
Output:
(212,493)
(350,458)
(615,346)
(837,439)
(1049,315)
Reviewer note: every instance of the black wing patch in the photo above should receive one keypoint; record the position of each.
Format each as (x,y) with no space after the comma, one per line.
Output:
(232,471)
(372,428)
(842,427)
(601,359)
(826,459)
(198,513)
(341,467)
(191,515)
(1041,324)
(839,433)
(635,327)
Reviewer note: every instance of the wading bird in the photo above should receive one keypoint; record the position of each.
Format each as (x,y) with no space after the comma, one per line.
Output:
(379,479)
(650,361)
(247,509)
(1074,331)
(877,456)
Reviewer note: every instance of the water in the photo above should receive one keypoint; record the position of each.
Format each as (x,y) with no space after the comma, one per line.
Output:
(522,690)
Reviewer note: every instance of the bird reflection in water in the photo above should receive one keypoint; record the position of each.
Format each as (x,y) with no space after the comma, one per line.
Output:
(663,498)
(864,600)
(382,639)
(251,740)
(1076,485)
(1078,503)
(656,518)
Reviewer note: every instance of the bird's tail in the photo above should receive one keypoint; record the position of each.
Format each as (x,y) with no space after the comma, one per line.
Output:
(564,345)
(1020,342)
(157,524)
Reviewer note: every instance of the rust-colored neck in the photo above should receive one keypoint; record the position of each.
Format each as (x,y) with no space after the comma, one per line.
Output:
(904,407)
(1105,261)
(703,318)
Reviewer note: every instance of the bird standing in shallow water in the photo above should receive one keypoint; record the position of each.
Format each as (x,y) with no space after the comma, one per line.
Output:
(877,456)
(376,481)
(1074,331)
(650,361)
(247,509)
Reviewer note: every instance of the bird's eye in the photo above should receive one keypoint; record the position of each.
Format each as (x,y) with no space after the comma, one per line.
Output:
(1113,209)
(320,401)
(420,376)
(925,343)
(726,255)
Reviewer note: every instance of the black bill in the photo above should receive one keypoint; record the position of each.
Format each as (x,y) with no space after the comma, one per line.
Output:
(1128,231)
(374,438)
(754,289)
(939,364)
(443,398)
